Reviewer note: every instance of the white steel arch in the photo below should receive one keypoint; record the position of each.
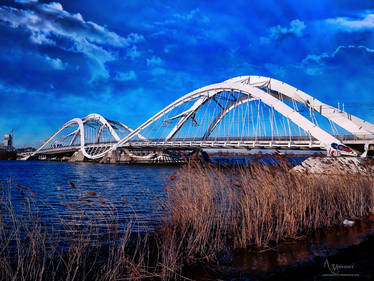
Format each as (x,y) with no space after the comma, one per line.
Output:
(356,126)
(103,121)
(80,131)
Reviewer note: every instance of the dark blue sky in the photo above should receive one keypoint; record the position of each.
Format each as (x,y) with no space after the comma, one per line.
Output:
(128,59)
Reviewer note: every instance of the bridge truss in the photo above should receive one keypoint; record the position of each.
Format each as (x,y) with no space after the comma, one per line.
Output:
(243,112)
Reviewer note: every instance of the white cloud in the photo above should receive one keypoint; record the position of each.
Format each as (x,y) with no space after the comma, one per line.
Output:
(193,24)
(321,58)
(134,38)
(316,64)
(264,40)
(158,71)
(98,55)
(78,16)
(316,58)
(45,22)
(296,29)
(41,38)
(154,61)
(313,71)
(193,15)
(125,76)
(350,24)
(25,1)
(133,53)
(56,63)
(53,6)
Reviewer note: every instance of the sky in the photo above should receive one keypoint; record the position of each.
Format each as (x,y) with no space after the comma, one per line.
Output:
(128,59)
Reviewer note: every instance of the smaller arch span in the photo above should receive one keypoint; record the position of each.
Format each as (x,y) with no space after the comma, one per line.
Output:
(79,133)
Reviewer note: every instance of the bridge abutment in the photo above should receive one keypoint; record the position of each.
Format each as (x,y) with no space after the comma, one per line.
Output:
(77,157)
(111,157)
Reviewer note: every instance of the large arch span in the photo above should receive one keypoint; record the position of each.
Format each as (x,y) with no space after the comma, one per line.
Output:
(351,123)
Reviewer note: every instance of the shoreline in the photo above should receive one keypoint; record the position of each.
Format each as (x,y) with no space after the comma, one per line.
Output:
(286,261)
(211,220)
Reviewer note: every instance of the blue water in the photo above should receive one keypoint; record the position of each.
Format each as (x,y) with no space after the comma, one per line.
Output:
(132,191)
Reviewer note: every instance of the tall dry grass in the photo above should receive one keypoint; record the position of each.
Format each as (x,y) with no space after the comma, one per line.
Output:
(207,212)
(213,210)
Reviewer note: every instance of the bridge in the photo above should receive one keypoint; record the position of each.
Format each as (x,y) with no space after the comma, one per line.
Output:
(243,112)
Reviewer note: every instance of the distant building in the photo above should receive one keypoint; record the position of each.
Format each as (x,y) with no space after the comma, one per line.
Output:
(7,144)
(8,140)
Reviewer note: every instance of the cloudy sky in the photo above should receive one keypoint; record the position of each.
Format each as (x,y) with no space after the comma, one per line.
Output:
(127,59)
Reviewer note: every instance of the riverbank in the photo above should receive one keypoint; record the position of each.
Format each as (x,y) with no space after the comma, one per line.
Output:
(327,253)
(8,155)
(205,215)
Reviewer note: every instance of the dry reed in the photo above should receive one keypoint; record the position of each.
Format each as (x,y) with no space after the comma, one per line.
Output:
(85,244)
(214,210)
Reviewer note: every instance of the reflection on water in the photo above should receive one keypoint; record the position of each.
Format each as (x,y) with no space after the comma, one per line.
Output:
(321,243)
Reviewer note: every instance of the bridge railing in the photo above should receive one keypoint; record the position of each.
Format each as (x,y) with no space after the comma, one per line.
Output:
(347,137)
(212,139)
(307,139)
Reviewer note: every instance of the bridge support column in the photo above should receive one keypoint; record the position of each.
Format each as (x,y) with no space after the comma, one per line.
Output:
(111,157)
(124,156)
(366,150)
(77,157)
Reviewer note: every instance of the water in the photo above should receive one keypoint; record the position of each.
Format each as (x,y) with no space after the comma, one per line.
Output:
(304,259)
(140,186)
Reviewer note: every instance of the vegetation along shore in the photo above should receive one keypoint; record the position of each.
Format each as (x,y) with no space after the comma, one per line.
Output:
(206,213)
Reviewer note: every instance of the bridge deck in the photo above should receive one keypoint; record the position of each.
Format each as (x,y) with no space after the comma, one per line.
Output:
(248,143)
